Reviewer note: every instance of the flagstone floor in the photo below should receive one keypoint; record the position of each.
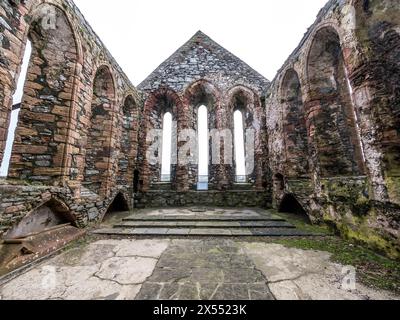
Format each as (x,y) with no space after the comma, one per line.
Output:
(208,269)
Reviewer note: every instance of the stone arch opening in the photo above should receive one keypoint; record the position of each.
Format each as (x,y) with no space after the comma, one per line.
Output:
(331,108)
(119,204)
(294,126)
(41,137)
(49,215)
(243,113)
(98,146)
(202,95)
(203,147)
(127,144)
(250,104)
(239,147)
(289,204)
(158,104)
(166,148)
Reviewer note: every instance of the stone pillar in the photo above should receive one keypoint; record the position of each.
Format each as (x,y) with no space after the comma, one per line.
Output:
(224,137)
(182,169)
(370,108)
(5,109)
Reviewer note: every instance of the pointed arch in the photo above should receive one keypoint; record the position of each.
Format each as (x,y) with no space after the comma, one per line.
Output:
(290,204)
(39,152)
(248,102)
(128,150)
(202,92)
(98,145)
(118,204)
(336,133)
(166,152)
(294,125)
(158,103)
(199,95)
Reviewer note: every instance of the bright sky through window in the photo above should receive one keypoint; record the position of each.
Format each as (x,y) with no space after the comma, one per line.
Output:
(203,141)
(17,98)
(166,145)
(239,144)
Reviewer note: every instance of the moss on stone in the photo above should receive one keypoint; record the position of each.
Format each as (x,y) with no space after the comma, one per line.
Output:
(393,186)
(373,270)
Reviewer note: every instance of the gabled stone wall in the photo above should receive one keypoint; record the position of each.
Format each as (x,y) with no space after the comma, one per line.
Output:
(200,73)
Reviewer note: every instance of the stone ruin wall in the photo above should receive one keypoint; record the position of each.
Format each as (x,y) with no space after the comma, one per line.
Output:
(335,149)
(350,137)
(203,73)
(76,139)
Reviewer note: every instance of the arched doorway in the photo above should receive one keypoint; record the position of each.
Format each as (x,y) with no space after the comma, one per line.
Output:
(290,205)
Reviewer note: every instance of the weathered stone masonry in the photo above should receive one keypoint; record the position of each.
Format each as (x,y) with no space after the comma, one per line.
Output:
(349,136)
(327,128)
(200,73)
(76,139)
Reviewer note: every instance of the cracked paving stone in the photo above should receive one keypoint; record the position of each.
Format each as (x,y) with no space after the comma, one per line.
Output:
(127,270)
(232,292)
(189,292)
(260,292)
(97,289)
(168,275)
(141,248)
(87,256)
(207,275)
(207,290)
(149,291)
(205,270)
(233,275)
(170,291)
(185,269)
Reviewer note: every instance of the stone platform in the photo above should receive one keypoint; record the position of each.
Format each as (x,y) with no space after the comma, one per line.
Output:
(203,222)
(211,198)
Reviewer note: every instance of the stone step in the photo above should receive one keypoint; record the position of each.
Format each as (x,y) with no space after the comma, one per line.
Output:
(206,232)
(199,218)
(204,224)
(2,231)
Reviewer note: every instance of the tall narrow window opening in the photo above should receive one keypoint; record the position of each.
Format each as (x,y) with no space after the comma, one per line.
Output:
(240,158)
(17,99)
(166,148)
(203,143)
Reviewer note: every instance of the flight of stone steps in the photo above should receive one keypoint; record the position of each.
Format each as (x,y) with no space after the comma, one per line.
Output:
(192,222)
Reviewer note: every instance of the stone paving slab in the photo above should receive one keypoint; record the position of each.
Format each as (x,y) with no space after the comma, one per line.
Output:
(215,232)
(187,269)
(210,232)
(205,271)
(202,218)
(205,224)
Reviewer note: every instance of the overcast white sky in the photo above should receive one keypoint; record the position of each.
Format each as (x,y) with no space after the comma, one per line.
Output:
(142,34)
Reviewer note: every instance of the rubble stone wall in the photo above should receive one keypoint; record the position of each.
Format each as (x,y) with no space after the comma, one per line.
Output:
(203,73)
(76,138)
(333,122)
